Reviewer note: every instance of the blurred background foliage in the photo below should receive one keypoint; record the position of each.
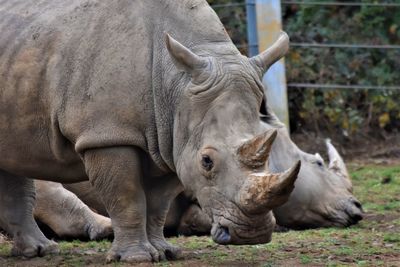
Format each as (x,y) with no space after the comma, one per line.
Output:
(344,112)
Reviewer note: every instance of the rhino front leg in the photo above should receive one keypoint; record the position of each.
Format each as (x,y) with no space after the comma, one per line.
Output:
(17,197)
(159,194)
(116,174)
(66,214)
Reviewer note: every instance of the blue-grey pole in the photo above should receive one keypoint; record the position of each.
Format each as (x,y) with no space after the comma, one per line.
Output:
(252,27)
(269,24)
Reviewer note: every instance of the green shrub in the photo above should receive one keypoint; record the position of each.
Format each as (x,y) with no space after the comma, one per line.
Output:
(346,111)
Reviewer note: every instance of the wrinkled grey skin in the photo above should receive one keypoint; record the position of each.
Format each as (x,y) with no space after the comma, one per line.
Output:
(95,90)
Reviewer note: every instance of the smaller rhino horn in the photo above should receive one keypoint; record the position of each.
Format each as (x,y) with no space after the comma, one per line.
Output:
(255,152)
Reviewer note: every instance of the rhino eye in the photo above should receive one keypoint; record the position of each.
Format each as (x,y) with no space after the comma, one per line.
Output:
(207,162)
(319,163)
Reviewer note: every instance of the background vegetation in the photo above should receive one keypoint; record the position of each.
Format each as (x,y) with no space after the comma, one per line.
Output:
(341,112)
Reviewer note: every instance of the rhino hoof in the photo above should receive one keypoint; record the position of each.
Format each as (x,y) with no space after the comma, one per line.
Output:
(39,248)
(133,254)
(100,229)
(166,250)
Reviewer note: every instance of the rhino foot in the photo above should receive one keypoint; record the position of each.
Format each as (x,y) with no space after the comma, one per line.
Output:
(100,228)
(29,246)
(143,252)
(166,250)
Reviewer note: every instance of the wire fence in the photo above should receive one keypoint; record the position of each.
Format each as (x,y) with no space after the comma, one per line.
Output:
(244,46)
(340,4)
(348,93)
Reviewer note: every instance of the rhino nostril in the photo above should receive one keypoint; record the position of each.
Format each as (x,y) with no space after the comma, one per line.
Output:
(357,217)
(357,204)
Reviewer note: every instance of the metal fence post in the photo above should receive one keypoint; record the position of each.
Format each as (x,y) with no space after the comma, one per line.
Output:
(252,27)
(269,24)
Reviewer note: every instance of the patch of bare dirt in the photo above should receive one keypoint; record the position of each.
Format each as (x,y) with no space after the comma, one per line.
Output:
(383,222)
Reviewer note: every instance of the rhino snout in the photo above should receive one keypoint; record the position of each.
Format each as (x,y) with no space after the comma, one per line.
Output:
(220,234)
(354,210)
(242,230)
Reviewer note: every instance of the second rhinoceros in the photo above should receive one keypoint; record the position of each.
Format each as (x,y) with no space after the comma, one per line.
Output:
(96,90)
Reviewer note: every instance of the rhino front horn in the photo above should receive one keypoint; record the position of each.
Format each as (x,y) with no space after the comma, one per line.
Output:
(265,191)
(183,58)
(255,152)
(276,51)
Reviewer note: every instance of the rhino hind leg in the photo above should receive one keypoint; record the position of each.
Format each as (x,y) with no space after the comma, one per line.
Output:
(17,197)
(159,195)
(67,215)
(115,173)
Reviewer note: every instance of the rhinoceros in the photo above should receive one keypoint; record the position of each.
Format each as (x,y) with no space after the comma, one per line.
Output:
(322,197)
(97,90)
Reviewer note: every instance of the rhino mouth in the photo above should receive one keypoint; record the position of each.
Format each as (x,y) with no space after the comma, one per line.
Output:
(230,224)
(220,234)
(239,229)
(342,217)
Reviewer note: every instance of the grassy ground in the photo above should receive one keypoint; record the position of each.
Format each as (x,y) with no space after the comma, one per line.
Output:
(373,242)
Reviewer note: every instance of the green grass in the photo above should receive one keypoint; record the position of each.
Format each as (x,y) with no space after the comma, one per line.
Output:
(5,250)
(377,187)
(375,241)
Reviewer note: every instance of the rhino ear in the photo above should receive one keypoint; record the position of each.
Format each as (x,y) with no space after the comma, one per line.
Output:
(275,52)
(183,58)
(318,156)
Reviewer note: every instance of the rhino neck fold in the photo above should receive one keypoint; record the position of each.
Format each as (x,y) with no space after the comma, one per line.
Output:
(205,35)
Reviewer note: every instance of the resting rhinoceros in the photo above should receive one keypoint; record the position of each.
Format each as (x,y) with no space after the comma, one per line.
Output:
(67,215)
(96,90)
(322,197)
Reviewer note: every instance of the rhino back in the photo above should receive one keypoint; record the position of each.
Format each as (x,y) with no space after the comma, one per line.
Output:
(76,75)
(69,70)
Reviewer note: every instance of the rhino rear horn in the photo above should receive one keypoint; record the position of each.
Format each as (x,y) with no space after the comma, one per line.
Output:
(183,58)
(272,54)
(336,163)
(255,152)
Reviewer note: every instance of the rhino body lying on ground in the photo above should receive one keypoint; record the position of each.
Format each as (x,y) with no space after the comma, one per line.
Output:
(322,197)
(95,90)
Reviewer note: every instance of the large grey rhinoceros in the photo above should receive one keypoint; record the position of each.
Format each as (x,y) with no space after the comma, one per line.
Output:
(96,90)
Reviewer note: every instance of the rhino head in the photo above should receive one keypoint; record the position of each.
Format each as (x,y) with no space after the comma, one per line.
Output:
(220,151)
(323,193)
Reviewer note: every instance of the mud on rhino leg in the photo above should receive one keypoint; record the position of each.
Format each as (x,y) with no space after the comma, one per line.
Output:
(116,175)
(66,214)
(159,194)
(17,199)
